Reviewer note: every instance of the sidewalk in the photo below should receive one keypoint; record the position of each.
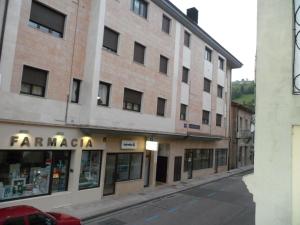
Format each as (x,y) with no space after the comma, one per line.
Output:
(111,204)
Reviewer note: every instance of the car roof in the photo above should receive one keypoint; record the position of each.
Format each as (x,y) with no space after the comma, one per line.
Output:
(17,211)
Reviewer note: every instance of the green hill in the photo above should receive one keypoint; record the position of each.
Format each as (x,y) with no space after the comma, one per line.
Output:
(243,92)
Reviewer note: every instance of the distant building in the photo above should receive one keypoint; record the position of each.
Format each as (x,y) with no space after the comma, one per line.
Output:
(241,136)
(276,181)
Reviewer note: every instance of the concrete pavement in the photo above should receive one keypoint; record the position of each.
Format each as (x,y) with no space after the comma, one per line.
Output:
(110,204)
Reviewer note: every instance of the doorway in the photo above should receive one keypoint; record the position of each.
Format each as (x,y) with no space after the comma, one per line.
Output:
(161,169)
(110,175)
(216,160)
(147,168)
(189,163)
(177,168)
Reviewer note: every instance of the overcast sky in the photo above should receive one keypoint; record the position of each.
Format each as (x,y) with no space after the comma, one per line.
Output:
(233,24)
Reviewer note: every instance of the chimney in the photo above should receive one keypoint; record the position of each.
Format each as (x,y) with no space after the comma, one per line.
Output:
(192,14)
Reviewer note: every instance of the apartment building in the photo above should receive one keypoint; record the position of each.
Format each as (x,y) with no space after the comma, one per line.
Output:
(106,98)
(275,183)
(241,133)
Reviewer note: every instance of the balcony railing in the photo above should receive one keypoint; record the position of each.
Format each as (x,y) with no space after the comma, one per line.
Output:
(244,134)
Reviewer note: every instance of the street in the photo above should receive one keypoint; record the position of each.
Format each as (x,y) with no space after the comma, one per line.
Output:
(225,202)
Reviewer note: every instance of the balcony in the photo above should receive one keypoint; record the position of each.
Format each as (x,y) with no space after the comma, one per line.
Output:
(244,134)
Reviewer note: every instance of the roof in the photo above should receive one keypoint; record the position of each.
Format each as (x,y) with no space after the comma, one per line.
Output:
(242,107)
(171,9)
(17,211)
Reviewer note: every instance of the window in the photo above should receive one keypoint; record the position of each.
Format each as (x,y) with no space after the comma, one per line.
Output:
(161,103)
(15,221)
(205,117)
(221,63)
(207,85)
(222,157)
(75,91)
(103,93)
(34,81)
(132,100)
(208,53)
(90,169)
(139,53)
(28,173)
(201,158)
(39,219)
(110,39)
(60,170)
(220,91)
(128,166)
(140,7)
(163,65)
(185,75)
(166,22)
(46,19)
(219,120)
(187,38)
(183,109)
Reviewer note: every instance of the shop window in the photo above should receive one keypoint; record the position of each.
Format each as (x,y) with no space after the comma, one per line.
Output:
(132,100)
(103,94)
(34,81)
(128,166)
(140,7)
(207,83)
(47,19)
(201,159)
(25,174)
(90,169)
(40,219)
(222,157)
(60,168)
(110,39)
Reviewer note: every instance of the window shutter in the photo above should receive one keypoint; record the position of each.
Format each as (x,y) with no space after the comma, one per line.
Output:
(34,76)
(166,24)
(47,17)
(110,39)
(132,96)
(139,53)
(163,67)
(161,106)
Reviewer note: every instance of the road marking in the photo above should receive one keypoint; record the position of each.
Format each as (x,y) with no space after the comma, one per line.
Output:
(172,210)
(211,194)
(149,219)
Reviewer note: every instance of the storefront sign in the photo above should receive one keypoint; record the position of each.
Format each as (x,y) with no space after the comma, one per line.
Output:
(26,141)
(152,145)
(126,145)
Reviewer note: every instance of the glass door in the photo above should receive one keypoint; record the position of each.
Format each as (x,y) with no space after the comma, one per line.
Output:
(110,175)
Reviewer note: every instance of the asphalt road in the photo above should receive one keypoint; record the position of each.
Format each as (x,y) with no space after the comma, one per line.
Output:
(225,202)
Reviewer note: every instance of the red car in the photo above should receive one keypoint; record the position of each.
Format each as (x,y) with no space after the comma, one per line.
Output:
(27,215)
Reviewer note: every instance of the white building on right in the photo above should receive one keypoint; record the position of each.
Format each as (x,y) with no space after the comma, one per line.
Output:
(276,180)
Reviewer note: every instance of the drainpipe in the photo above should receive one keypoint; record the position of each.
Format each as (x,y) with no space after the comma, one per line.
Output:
(3,26)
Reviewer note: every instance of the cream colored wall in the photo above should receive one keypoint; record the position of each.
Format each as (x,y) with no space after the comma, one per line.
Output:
(295,176)
(276,112)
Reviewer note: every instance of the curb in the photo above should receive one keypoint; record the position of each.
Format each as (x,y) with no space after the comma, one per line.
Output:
(88,218)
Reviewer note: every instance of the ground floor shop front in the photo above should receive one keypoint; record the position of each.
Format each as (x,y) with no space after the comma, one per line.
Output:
(50,166)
